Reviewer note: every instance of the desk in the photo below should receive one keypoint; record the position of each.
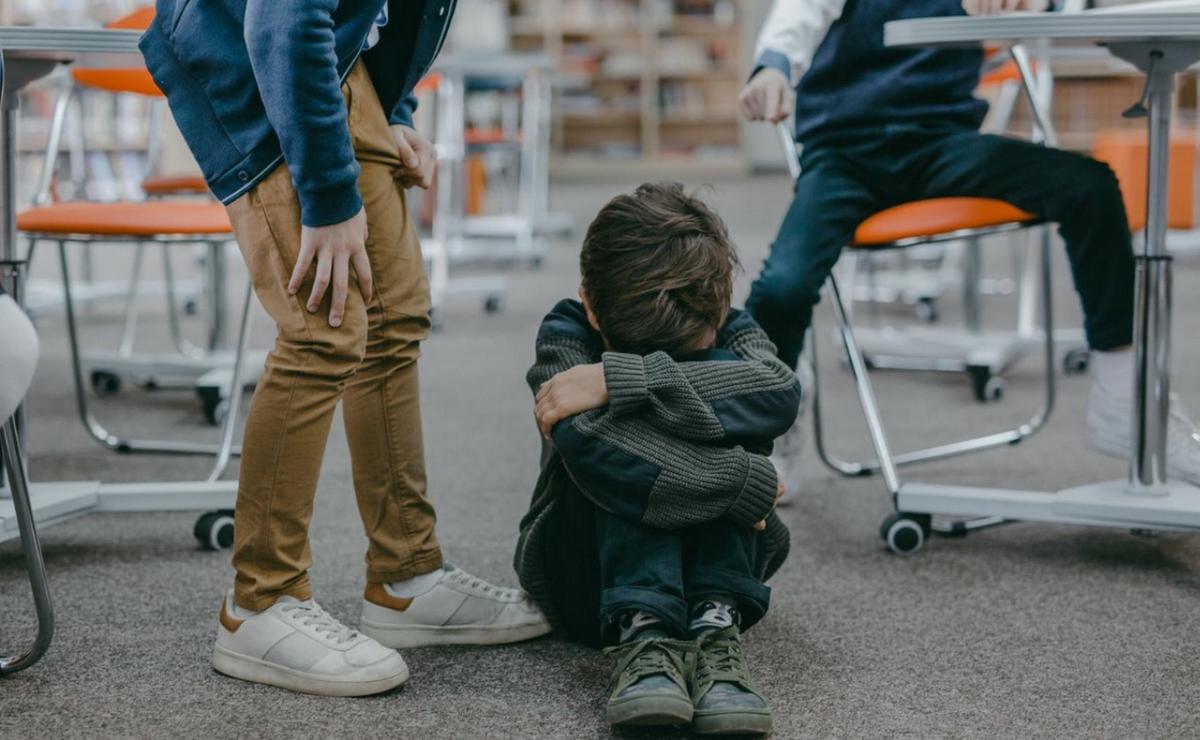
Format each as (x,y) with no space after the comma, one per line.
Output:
(1160,44)
(30,54)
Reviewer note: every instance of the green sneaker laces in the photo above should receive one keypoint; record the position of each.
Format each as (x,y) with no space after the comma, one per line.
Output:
(639,659)
(719,659)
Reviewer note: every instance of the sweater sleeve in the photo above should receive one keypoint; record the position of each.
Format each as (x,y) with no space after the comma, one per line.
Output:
(738,392)
(564,340)
(633,469)
(295,65)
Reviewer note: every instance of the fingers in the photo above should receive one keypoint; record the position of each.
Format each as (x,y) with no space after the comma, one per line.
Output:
(341,282)
(760,526)
(781,104)
(362,269)
(407,154)
(750,101)
(303,262)
(320,282)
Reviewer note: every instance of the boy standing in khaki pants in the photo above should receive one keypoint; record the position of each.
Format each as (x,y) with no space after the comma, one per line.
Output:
(324,88)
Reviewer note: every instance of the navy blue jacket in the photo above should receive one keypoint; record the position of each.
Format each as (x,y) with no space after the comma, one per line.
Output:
(857,87)
(253,83)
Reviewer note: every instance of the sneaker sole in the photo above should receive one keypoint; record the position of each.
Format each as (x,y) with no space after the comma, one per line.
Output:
(421,635)
(650,711)
(732,723)
(247,668)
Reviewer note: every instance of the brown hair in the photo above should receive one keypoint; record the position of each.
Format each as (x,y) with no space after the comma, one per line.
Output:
(657,267)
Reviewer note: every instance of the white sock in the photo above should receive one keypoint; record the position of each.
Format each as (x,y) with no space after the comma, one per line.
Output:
(1112,373)
(416,585)
(238,612)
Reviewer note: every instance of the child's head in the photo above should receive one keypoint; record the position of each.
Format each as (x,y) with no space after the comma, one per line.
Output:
(657,269)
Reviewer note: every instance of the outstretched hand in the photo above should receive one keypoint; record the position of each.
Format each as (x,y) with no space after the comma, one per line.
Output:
(768,96)
(581,388)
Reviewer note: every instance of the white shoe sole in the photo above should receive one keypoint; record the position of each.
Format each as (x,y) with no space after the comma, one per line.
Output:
(422,635)
(247,668)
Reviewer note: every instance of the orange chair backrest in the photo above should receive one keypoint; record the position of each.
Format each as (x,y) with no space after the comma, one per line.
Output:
(429,83)
(135,80)
(1125,151)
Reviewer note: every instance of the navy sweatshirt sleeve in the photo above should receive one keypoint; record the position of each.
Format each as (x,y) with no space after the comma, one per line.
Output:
(295,65)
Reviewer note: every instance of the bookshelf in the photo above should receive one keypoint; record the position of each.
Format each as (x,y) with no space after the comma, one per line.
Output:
(643,85)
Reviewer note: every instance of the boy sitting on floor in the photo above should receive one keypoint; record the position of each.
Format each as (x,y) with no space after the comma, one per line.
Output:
(652,524)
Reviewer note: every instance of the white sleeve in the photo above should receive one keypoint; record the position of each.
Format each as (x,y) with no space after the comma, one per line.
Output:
(793,31)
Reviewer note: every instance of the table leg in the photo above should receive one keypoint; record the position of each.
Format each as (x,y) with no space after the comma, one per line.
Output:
(8,178)
(1152,308)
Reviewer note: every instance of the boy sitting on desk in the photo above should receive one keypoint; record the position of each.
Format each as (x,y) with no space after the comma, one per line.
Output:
(652,525)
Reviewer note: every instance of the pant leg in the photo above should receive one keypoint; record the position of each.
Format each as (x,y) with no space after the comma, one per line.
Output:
(641,567)
(832,197)
(571,566)
(720,562)
(381,405)
(293,405)
(1076,192)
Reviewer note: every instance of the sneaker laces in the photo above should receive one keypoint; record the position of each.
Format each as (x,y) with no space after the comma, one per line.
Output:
(479,587)
(719,659)
(638,659)
(311,615)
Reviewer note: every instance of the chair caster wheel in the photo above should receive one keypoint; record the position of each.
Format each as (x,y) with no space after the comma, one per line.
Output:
(214,530)
(214,406)
(926,310)
(905,533)
(986,386)
(105,383)
(1076,362)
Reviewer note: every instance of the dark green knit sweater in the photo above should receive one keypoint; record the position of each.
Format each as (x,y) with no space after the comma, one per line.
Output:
(679,443)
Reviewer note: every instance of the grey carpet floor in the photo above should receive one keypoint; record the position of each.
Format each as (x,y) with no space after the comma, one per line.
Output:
(1026,630)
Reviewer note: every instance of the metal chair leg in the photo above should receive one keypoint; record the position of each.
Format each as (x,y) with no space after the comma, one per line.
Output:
(866,395)
(952,449)
(93,427)
(15,465)
(235,389)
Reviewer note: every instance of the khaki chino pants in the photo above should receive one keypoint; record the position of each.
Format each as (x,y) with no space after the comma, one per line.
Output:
(369,363)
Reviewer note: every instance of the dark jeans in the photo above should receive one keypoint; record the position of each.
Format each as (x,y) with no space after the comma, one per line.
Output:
(598,565)
(842,185)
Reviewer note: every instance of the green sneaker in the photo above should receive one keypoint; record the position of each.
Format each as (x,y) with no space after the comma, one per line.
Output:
(725,701)
(648,683)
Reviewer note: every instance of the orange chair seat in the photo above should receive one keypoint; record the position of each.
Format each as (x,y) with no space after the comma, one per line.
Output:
(137,219)
(934,217)
(177,184)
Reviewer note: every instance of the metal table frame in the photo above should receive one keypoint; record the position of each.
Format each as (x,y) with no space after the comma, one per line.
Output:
(30,54)
(1160,44)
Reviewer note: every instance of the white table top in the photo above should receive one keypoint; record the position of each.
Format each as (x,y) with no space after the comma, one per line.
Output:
(1087,26)
(27,41)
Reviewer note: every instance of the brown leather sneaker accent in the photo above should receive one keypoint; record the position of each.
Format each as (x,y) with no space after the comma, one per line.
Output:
(227,621)
(378,595)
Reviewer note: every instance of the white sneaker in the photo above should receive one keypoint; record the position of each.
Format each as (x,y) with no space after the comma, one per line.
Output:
(789,449)
(459,609)
(297,645)
(1110,427)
